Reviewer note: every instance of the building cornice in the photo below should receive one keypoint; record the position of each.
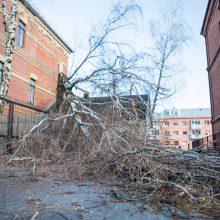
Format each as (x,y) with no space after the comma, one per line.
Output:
(27,57)
(208,15)
(35,13)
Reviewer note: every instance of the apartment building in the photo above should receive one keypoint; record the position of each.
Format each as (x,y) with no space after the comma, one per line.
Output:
(39,54)
(180,127)
(211,32)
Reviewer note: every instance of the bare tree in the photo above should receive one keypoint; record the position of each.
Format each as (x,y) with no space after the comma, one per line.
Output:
(9,21)
(104,56)
(169,37)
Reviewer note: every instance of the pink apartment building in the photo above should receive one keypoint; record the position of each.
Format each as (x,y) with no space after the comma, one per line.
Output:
(180,127)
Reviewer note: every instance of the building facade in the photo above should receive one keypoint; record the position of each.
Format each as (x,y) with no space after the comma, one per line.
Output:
(39,54)
(211,32)
(180,127)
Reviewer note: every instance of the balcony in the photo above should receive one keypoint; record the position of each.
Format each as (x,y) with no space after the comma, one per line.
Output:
(153,135)
(195,125)
(153,138)
(195,137)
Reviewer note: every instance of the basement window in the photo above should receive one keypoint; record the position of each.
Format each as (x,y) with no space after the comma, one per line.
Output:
(32,91)
(1,70)
(20,34)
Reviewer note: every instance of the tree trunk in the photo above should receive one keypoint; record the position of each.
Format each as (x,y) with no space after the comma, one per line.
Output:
(158,88)
(60,93)
(63,89)
(10,30)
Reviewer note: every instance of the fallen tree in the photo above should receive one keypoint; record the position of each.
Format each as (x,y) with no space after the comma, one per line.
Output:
(110,143)
(114,150)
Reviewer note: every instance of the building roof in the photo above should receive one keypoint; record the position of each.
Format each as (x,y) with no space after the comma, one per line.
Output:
(131,104)
(207,14)
(186,113)
(108,99)
(34,12)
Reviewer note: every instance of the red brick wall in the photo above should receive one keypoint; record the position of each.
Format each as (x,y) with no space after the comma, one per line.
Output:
(213,31)
(212,37)
(38,59)
(215,81)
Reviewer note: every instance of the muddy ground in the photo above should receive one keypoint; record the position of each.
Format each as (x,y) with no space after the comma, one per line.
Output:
(24,196)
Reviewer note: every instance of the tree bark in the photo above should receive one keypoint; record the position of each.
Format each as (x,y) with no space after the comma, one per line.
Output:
(64,88)
(10,30)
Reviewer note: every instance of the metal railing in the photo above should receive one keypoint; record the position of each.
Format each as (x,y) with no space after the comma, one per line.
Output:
(16,119)
(207,143)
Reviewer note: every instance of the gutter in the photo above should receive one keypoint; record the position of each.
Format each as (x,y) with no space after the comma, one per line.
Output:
(205,18)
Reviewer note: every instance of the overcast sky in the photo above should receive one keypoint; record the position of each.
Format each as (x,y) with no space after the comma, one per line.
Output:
(73,20)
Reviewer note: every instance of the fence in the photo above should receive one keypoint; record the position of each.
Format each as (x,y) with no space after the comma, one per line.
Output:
(207,143)
(17,119)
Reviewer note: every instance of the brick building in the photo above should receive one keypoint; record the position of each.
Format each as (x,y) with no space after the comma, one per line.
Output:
(38,56)
(211,32)
(180,127)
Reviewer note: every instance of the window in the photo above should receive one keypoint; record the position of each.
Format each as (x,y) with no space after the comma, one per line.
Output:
(176,133)
(1,70)
(184,132)
(207,122)
(167,142)
(184,143)
(166,123)
(196,122)
(155,132)
(166,112)
(167,133)
(207,133)
(196,132)
(32,91)
(176,142)
(174,112)
(175,123)
(184,123)
(20,35)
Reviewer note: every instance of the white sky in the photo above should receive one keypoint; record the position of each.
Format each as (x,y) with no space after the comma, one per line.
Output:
(73,20)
